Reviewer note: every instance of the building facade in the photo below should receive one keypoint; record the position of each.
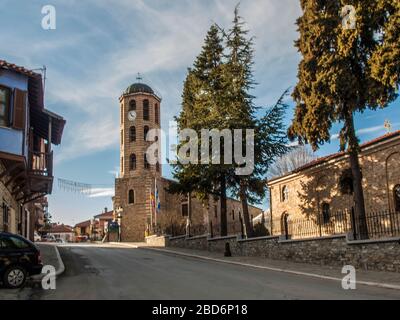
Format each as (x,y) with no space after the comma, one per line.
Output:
(140,206)
(323,188)
(62,232)
(27,132)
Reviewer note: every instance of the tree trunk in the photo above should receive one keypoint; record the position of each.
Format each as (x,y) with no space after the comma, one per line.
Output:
(245,208)
(359,203)
(224,221)
(189,217)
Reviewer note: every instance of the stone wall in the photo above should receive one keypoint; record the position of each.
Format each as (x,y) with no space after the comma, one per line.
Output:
(156,241)
(382,255)
(7,198)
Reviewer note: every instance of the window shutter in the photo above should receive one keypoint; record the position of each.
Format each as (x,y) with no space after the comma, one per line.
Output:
(19,109)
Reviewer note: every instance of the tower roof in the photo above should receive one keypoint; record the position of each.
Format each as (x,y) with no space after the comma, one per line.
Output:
(139,88)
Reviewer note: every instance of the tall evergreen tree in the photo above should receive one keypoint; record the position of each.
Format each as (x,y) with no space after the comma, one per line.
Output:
(217,95)
(338,76)
(202,95)
(270,139)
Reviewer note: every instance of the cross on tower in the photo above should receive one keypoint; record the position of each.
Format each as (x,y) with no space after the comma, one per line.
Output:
(139,77)
(388,126)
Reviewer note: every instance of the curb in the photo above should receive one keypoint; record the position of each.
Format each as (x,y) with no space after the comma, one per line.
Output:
(61,266)
(59,271)
(306,274)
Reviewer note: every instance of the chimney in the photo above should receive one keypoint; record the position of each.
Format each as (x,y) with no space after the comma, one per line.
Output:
(105,210)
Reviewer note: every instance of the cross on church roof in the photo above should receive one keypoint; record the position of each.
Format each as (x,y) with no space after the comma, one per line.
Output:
(388,126)
(139,77)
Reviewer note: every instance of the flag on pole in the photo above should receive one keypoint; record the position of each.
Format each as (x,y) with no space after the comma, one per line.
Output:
(157,198)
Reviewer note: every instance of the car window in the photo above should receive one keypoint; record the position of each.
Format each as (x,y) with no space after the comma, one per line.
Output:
(6,243)
(16,243)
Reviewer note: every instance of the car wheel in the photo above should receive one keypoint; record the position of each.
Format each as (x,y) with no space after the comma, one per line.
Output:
(14,277)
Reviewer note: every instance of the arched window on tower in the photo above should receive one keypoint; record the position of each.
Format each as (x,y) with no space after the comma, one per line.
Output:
(132,162)
(157,113)
(132,134)
(145,132)
(132,105)
(396,193)
(146,110)
(146,163)
(131,196)
(157,163)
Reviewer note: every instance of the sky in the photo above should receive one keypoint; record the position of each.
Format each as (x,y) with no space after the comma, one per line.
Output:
(99,47)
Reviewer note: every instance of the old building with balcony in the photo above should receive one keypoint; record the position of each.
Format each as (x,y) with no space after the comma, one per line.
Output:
(27,132)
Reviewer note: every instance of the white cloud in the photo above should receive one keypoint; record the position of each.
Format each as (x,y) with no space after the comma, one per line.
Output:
(101,192)
(158,40)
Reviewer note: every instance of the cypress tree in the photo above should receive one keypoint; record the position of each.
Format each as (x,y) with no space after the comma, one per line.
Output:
(339,76)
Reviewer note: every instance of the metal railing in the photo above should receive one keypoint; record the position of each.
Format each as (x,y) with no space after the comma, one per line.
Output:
(376,225)
(380,224)
(313,226)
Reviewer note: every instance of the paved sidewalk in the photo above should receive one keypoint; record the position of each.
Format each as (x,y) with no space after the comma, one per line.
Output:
(374,278)
(50,256)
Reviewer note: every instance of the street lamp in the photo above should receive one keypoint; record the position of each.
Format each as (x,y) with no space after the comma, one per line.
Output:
(119,218)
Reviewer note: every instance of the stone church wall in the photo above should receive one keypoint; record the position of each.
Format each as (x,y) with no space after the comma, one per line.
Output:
(310,188)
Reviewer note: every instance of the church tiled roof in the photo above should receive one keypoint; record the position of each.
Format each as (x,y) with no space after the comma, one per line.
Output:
(340,154)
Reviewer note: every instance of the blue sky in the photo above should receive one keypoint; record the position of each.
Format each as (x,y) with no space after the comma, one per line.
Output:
(98,48)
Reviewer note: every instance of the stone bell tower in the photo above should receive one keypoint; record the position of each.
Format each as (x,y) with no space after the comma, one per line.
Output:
(139,113)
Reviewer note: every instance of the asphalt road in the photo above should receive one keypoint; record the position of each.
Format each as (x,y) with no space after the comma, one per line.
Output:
(124,273)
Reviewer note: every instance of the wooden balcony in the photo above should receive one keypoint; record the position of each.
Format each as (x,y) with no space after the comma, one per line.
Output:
(41,163)
(40,171)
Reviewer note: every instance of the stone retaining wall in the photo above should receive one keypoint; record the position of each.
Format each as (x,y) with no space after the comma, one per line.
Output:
(383,255)
(156,241)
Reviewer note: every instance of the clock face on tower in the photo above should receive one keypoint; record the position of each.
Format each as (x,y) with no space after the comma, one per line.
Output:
(132,115)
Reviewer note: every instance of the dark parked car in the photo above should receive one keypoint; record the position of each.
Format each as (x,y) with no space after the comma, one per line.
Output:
(19,258)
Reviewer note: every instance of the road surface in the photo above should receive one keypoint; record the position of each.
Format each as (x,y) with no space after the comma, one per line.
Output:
(94,272)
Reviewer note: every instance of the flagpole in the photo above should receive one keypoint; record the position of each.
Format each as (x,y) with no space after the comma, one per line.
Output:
(155,199)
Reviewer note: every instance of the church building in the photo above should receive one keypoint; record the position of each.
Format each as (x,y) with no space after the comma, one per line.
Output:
(141,196)
(320,193)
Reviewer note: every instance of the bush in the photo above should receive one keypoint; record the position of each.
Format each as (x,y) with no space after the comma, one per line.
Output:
(260,230)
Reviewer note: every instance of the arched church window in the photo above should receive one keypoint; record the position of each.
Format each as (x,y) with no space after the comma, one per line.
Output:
(132,162)
(326,213)
(157,113)
(146,110)
(396,192)
(346,185)
(146,163)
(131,196)
(285,194)
(132,134)
(145,132)
(346,182)
(132,105)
